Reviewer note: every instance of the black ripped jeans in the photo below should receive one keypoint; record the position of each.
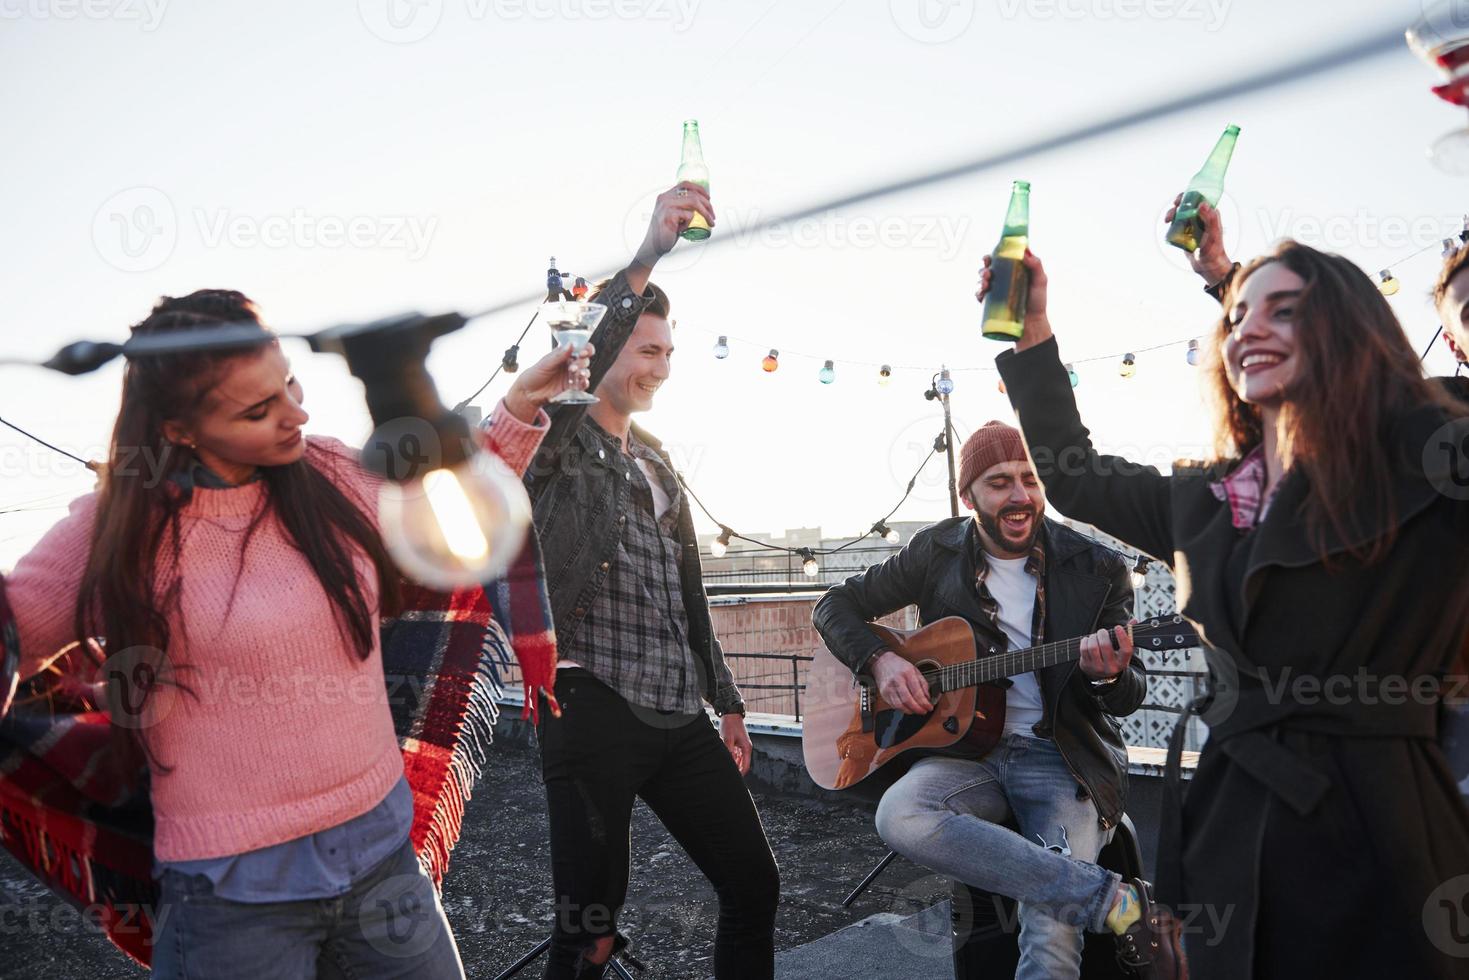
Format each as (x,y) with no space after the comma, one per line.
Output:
(595,759)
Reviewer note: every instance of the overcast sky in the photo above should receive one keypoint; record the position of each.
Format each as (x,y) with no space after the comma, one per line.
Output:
(348,160)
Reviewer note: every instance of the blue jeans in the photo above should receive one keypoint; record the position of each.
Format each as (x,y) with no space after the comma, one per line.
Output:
(946,815)
(389,925)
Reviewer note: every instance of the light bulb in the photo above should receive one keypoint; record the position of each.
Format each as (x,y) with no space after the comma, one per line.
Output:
(1140,572)
(721,347)
(1389,283)
(892,536)
(884,375)
(1072,376)
(771,362)
(1193,353)
(828,373)
(810,567)
(720,547)
(1129,366)
(945,384)
(458,526)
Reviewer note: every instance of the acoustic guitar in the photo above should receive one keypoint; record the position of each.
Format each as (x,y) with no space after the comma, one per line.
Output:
(849,732)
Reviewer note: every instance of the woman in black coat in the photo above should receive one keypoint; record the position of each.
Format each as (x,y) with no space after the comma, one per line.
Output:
(1322,557)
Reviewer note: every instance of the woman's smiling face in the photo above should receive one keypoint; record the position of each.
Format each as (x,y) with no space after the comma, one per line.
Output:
(1259,351)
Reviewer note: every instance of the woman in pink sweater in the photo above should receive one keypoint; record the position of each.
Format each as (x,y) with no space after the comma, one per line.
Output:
(239,562)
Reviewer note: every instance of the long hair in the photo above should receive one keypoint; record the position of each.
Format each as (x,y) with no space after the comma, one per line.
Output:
(1356,374)
(137,536)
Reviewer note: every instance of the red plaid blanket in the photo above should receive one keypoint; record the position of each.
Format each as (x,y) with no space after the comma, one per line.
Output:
(82,834)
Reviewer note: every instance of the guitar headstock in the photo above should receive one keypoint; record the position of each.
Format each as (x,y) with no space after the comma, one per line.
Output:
(1164,633)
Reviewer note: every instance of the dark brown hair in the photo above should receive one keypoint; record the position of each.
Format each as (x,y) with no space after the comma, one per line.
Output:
(1452,266)
(137,534)
(1355,363)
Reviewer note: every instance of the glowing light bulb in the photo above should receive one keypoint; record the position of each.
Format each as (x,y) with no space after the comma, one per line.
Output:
(1072,376)
(1140,572)
(721,347)
(810,567)
(1193,353)
(1388,284)
(1129,366)
(884,375)
(828,373)
(456,527)
(771,362)
(720,547)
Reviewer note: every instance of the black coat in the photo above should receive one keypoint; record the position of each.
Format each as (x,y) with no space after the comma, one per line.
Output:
(1087,587)
(1322,818)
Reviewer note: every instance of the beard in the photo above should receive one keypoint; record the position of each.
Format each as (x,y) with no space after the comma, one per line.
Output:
(993,526)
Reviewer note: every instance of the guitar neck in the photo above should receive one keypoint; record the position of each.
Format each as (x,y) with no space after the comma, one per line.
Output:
(959,676)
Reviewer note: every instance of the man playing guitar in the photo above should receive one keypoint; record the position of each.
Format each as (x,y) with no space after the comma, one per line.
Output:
(1059,771)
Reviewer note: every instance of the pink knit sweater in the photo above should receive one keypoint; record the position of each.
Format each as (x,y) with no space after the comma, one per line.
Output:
(287,731)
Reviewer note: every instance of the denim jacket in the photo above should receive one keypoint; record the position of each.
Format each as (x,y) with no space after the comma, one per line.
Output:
(581,503)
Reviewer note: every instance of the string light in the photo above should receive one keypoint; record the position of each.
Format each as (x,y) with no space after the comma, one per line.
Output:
(772,361)
(1072,376)
(809,564)
(828,373)
(945,384)
(1193,353)
(1140,572)
(721,347)
(1129,366)
(1388,283)
(510,363)
(886,533)
(721,544)
(885,374)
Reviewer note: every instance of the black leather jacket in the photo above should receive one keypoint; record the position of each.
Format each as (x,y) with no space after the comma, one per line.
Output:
(580,503)
(1088,587)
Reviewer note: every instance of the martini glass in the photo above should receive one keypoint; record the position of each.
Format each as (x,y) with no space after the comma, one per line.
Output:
(572,323)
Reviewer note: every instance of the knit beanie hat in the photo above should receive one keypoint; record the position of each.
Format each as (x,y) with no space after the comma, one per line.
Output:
(994,442)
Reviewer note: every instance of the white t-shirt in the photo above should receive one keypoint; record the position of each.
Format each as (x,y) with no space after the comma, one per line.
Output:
(1014,589)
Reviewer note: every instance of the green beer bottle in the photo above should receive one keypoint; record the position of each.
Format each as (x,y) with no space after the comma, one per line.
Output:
(693,169)
(1207,185)
(1004,305)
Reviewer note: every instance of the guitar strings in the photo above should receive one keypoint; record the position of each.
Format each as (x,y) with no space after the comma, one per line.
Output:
(1012,660)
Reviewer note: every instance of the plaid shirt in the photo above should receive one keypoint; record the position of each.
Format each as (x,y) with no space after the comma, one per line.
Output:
(635,637)
(1244,490)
